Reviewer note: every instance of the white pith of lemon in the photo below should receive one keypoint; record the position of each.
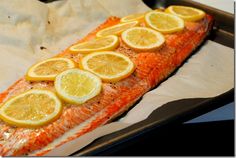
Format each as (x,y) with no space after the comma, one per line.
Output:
(164,22)
(99,44)
(132,17)
(77,86)
(142,38)
(48,69)
(116,29)
(31,109)
(186,13)
(109,66)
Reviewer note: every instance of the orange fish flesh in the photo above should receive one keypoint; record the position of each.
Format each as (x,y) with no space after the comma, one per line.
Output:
(151,68)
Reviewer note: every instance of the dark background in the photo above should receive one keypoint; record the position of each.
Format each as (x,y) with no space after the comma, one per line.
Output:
(198,139)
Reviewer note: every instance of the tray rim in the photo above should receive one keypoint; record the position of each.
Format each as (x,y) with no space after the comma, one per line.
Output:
(130,134)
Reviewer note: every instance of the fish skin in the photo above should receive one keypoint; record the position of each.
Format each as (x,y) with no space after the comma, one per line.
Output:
(151,68)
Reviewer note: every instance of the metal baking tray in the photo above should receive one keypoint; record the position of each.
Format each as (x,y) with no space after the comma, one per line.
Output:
(177,111)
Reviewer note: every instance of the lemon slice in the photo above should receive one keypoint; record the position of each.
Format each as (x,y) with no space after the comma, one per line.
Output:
(99,44)
(77,86)
(48,69)
(164,22)
(116,29)
(109,66)
(142,38)
(31,109)
(132,17)
(186,13)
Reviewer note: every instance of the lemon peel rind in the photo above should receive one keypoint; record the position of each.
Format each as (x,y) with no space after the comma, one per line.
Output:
(124,19)
(105,78)
(73,99)
(132,24)
(112,46)
(29,123)
(31,76)
(176,29)
(190,18)
(160,37)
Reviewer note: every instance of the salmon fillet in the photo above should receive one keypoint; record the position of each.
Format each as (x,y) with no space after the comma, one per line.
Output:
(151,68)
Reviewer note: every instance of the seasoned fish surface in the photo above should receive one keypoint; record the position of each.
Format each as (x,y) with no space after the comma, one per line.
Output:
(151,68)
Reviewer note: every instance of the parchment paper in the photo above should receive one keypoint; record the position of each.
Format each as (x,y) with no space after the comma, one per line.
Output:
(31,31)
(27,27)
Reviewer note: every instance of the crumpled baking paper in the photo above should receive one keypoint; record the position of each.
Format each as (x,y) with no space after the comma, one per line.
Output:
(31,31)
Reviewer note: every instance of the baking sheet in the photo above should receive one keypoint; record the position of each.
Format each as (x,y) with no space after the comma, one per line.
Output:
(204,75)
(40,30)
